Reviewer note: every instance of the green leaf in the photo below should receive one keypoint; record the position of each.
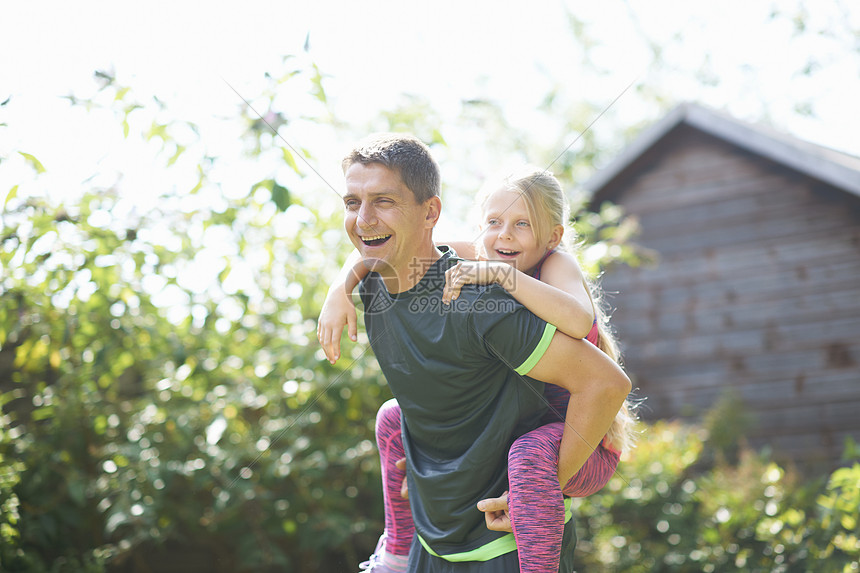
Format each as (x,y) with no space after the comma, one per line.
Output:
(222,276)
(200,182)
(318,90)
(179,150)
(157,130)
(436,137)
(281,196)
(290,160)
(10,195)
(265,184)
(35,163)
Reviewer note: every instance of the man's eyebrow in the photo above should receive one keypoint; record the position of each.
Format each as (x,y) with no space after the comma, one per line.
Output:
(371,194)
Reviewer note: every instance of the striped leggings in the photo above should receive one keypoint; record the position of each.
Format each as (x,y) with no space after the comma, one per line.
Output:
(535,500)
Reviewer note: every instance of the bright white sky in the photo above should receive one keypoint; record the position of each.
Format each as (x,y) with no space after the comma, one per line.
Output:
(443,50)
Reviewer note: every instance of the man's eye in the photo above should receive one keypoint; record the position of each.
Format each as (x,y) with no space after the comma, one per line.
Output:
(350,204)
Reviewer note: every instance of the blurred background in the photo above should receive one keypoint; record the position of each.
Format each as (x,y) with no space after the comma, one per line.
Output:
(172,218)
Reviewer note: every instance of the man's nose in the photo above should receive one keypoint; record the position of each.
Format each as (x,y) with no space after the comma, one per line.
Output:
(366,216)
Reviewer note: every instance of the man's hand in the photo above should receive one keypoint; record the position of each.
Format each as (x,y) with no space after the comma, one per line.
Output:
(496,513)
(404,489)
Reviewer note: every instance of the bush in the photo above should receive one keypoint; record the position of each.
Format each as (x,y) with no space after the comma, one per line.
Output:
(153,420)
(671,507)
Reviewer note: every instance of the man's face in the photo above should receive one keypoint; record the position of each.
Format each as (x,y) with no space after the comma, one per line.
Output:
(383,220)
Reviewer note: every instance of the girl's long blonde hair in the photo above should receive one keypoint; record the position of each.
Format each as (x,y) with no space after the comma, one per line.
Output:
(547,206)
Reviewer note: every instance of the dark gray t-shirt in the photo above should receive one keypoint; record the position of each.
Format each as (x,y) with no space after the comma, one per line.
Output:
(453,369)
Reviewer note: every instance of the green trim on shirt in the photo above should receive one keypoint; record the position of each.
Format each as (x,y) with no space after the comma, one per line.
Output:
(538,352)
(493,549)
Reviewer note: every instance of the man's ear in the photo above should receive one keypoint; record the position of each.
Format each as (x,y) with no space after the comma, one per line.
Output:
(555,237)
(433,209)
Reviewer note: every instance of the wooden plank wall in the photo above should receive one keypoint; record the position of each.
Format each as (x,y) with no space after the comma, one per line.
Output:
(757,289)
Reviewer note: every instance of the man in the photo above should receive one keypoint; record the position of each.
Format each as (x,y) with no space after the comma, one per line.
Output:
(458,371)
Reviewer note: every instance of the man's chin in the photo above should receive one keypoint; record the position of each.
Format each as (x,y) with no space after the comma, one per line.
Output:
(377,265)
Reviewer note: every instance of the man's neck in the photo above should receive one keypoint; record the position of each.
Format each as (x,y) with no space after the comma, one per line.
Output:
(415,270)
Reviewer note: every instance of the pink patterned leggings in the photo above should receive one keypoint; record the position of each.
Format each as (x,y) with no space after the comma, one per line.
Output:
(536,503)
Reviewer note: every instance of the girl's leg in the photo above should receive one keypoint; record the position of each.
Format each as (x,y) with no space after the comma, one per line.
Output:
(595,473)
(535,501)
(399,528)
(597,470)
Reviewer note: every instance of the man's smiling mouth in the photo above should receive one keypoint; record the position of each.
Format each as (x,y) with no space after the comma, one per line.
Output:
(375,240)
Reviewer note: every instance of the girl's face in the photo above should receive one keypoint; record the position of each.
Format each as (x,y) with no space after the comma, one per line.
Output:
(508,233)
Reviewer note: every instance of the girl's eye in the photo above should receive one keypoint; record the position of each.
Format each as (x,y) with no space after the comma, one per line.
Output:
(492,222)
(523,224)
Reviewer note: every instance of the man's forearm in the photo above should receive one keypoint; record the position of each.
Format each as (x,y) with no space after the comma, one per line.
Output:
(597,386)
(589,416)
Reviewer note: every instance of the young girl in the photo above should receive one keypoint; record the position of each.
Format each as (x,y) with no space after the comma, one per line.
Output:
(522,227)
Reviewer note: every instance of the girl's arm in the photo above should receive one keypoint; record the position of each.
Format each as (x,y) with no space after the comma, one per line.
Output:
(560,297)
(338,309)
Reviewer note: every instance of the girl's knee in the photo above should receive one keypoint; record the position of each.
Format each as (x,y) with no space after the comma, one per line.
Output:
(388,419)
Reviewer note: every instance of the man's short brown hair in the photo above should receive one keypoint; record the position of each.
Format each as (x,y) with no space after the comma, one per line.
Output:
(403,153)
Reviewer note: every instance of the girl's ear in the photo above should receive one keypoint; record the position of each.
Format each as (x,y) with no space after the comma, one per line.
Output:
(555,237)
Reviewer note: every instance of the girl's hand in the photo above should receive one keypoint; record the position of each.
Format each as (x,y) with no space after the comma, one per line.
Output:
(338,311)
(476,272)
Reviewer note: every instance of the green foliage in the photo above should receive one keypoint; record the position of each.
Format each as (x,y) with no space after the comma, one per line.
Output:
(727,424)
(217,426)
(672,508)
(145,410)
(10,476)
(606,237)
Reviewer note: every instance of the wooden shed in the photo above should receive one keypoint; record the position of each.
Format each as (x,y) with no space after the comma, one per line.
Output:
(757,284)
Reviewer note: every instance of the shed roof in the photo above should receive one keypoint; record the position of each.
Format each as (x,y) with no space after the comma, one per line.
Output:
(834,167)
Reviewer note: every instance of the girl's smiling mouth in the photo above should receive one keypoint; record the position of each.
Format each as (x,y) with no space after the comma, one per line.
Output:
(506,253)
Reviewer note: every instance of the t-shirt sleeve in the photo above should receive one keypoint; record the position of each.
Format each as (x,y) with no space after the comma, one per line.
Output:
(509,331)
